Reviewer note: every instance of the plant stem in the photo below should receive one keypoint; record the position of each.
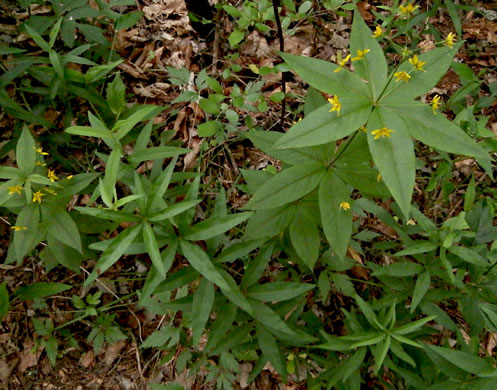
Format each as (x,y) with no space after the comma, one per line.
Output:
(282,49)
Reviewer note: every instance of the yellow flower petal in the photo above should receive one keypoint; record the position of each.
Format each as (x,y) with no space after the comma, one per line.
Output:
(345,206)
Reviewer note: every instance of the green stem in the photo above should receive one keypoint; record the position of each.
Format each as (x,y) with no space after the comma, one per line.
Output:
(341,152)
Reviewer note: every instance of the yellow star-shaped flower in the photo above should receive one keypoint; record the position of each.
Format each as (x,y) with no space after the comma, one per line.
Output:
(335,104)
(342,63)
(15,190)
(383,133)
(40,151)
(18,228)
(344,206)
(378,32)
(360,54)
(402,76)
(408,9)
(418,65)
(37,196)
(51,175)
(435,104)
(449,40)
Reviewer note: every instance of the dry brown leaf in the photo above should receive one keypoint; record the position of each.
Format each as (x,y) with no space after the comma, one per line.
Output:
(87,359)
(112,352)
(28,356)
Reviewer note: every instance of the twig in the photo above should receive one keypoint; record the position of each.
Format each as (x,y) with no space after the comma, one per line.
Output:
(282,49)
(217,34)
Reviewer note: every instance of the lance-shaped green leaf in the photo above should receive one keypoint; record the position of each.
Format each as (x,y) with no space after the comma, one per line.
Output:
(278,291)
(271,351)
(153,248)
(40,290)
(60,225)
(114,251)
(4,300)
(234,294)
(203,299)
(124,126)
(437,61)
(203,264)
(26,239)
(289,185)
(173,210)
(111,215)
(412,326)
(336,216)
(323,126)
(305,237)
(463,360)
(156,152)
(322,76)
(111,170)
(394,156)
(37,38)
(372,65)
(381,352)
(25,151)
(160,186)
(9,173)
(213,226)
(115,95)
(89,132)
(269,223)
(420,289)
(433,130)
(469,256)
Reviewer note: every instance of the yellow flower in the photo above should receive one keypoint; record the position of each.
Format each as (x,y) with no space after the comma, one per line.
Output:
(363,129)
(345,206)
(69,177)
(378,32)
(294,122)
(49,191)
(40,164)
(17,228)
(435,104)
(335,104)
(449,40)
(360,54)
(37,196)
(411,222)
(15,190)
(418,65)
(408,9)
(402,76)
(383,133)
(51,176)
(342,63)
(378,178)
(40,151)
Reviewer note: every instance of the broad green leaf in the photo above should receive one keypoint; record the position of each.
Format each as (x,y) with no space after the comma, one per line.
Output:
(437,61)
(199,260)
(271,351)
(156,153)
(208,129)
(305,237)
(322,76)
(4,300)
(278,291)
(40,290)
(203,299)
(362,177)
(61,225)
(9,173)
(153,248)
(322,126)
(463,360)
(115,95)
(64,254)
(287,186)
(124,126)
(178,279)
(25,151)
(420,288)
(75,184)
(173,210)
(257,266)
(372,66)
(97,72)
(114,251)
(239,250)
(336,216)
(214,226)
(469,256)
(269,223)
(394,157)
